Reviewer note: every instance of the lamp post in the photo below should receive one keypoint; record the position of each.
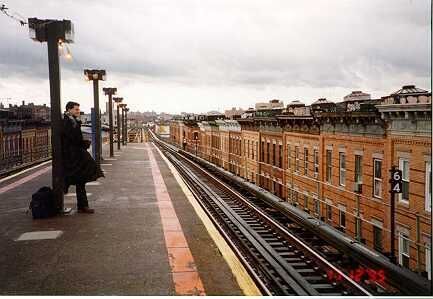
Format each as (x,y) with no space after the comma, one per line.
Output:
(118,102)
(126,125)
(123,106)
(110,91)
(54,32)
(95,76)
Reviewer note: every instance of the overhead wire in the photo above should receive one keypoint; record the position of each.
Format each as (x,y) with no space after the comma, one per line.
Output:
(64,49)
(13,15)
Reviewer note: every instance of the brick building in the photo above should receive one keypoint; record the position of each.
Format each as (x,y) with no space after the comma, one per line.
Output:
(176,133)
(235,148)
(408,146)
(301,164)
(205,140)
(332,160)
(250,139)
(270,164)
(224,130)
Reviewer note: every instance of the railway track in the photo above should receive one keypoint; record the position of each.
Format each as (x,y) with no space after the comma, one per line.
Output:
(281,262)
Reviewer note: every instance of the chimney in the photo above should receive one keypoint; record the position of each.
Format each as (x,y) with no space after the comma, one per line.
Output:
(24,103)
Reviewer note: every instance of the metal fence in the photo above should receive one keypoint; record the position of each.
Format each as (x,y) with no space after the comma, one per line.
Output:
(11,161)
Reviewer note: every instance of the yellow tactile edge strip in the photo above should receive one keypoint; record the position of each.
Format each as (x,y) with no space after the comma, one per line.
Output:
(244,280)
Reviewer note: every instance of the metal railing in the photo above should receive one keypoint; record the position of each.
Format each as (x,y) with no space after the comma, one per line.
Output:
(11,161)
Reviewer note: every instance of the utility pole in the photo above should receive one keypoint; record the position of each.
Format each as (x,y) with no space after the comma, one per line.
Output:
(95,76)
(118,101)
(54,32)
(110,91)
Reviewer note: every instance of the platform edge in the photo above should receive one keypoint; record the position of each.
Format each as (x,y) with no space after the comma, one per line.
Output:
(243,279)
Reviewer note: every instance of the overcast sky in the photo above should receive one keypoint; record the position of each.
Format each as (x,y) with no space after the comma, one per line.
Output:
(201,55)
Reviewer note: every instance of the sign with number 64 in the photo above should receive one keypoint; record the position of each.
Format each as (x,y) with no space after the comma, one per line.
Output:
(396,181)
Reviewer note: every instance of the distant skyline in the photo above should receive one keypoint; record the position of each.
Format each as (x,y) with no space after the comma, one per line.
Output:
(202,55)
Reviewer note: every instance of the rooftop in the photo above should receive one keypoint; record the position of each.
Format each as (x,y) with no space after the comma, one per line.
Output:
(410,90)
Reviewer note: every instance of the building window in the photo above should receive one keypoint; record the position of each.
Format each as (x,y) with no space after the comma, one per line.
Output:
(262,152)
(316,163)
(316,204)
(268,153)
(306,201)
(428,183)
(296,158)
(289,160)
(358,169)
(329,166)
(342,164)
(280,157)
(295,195)
(248,149)
(274,155)
(305,161)
(342,217)
(377,238)
(377,183)
(403,250)
(329,212)
(358,227)
(404,167)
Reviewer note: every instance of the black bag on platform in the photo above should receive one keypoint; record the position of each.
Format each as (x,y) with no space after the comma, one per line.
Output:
(42,204)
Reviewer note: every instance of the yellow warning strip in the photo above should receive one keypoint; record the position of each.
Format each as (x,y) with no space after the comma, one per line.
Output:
(244,280)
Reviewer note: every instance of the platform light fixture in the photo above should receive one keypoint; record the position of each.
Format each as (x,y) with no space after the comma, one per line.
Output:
(96,76)
(53,32)
(126,125)
(123,107)
(110,91)
(118,101)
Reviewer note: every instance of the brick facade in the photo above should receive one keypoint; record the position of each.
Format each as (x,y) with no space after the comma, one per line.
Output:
(332,160)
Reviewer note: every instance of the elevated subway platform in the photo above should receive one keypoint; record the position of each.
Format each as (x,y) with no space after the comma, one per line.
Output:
(146,237)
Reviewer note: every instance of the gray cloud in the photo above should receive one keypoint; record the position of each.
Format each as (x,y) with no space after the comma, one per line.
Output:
(320,44)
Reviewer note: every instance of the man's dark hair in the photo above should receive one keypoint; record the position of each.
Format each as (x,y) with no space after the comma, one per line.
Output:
(71,105)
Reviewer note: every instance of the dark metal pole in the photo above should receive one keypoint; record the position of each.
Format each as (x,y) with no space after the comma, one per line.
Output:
(110,122)
(392,256)
(118,127)
(56,114)
(126,126)
(123,125)
(392,216)
(100,137)
(122,128)
(97,122)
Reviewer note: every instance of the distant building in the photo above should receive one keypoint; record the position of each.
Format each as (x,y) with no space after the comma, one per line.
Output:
(213,113)
(30,111)
(234,113)
(357,96)
(298,109)
(270,105)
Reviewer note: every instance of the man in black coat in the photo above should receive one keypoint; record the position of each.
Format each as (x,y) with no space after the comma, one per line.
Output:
(79,166)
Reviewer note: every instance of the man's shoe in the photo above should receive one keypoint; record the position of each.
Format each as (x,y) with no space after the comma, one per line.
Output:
(86,210)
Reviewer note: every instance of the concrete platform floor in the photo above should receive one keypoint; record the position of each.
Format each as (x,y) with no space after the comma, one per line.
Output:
(144,239)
